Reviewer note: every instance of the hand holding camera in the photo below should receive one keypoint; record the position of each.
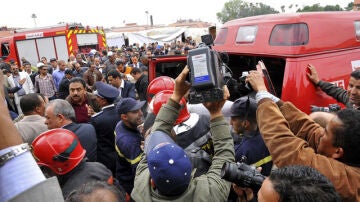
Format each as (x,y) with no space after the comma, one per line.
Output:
(256,80)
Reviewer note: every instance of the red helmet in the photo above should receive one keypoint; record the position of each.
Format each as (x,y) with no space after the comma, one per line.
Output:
(159,84)
(58,149)
(161,98)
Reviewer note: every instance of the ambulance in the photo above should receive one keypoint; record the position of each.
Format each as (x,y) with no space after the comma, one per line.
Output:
(59,41)
(287,43)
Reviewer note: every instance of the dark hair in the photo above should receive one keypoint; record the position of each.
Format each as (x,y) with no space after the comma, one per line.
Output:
(347,136)
(104,52)
(78,80)
(356,74)
(135,70)
(119,62)
(87,189)
(299,183)
(29,102)
(69,71)
(5,66)
(114,74)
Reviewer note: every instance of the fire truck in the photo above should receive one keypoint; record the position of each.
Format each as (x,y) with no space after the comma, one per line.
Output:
(59,41)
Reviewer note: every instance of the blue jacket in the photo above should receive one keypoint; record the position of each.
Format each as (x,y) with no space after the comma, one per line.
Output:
(252,149)
(128,143)
(87,136)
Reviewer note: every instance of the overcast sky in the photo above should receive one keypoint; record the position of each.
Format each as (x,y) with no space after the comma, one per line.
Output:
(108,13)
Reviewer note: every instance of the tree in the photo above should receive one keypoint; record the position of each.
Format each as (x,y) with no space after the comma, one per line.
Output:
(317,7)
(234,9)
(350,6)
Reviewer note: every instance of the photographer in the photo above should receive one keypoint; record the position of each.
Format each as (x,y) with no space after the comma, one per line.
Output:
(292,137)
(292,183)
(166,177)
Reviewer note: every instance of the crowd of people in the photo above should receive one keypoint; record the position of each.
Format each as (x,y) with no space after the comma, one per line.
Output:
(99,131)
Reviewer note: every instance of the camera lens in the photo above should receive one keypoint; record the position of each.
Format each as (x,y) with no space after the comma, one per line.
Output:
(229,171)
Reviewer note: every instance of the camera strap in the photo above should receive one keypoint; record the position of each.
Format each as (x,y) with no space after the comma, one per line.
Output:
(247,106)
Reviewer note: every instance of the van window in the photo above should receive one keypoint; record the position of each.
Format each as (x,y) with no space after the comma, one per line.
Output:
(357,30)
(221,36)
(290,35)
(246,34)
(5,51)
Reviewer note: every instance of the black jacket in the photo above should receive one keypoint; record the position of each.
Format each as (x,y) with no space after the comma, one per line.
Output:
(104,123)
(87,136)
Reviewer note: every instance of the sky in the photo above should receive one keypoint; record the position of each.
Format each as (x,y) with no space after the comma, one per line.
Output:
(110,13)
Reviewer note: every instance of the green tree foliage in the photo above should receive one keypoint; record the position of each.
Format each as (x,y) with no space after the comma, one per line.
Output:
(317,7)
(349,6)
(234,9)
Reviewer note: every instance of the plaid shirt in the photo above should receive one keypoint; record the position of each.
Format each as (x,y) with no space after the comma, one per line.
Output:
(45,86)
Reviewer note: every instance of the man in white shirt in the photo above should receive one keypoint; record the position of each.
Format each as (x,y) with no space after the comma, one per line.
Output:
(16,79)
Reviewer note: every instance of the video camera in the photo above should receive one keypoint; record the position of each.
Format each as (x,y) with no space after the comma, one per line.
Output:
(242,175)
(206,76)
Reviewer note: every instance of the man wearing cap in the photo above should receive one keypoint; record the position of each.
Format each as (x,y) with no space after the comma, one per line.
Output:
(105,122)
(165,172)
(250,149)
(127,141)
(90,58)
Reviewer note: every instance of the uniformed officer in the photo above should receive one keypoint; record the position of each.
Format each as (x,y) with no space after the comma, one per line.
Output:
(128,141)
(105,122)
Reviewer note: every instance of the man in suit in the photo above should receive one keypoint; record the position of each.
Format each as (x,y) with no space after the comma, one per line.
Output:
(104,123)
(60,114)
(64,84)
(125,88)
(33,123)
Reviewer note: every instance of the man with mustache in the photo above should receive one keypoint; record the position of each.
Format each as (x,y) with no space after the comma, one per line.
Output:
(83,103)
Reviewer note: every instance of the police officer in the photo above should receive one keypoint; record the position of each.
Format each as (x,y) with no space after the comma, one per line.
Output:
(105,122)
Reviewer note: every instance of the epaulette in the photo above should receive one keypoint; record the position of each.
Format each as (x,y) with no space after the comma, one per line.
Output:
(96,114)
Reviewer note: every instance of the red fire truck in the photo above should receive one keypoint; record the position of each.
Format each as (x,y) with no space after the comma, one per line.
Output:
(59,41)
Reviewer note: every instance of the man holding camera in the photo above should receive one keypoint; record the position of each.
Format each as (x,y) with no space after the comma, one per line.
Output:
(291,183)
(164,173)
(292,137)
